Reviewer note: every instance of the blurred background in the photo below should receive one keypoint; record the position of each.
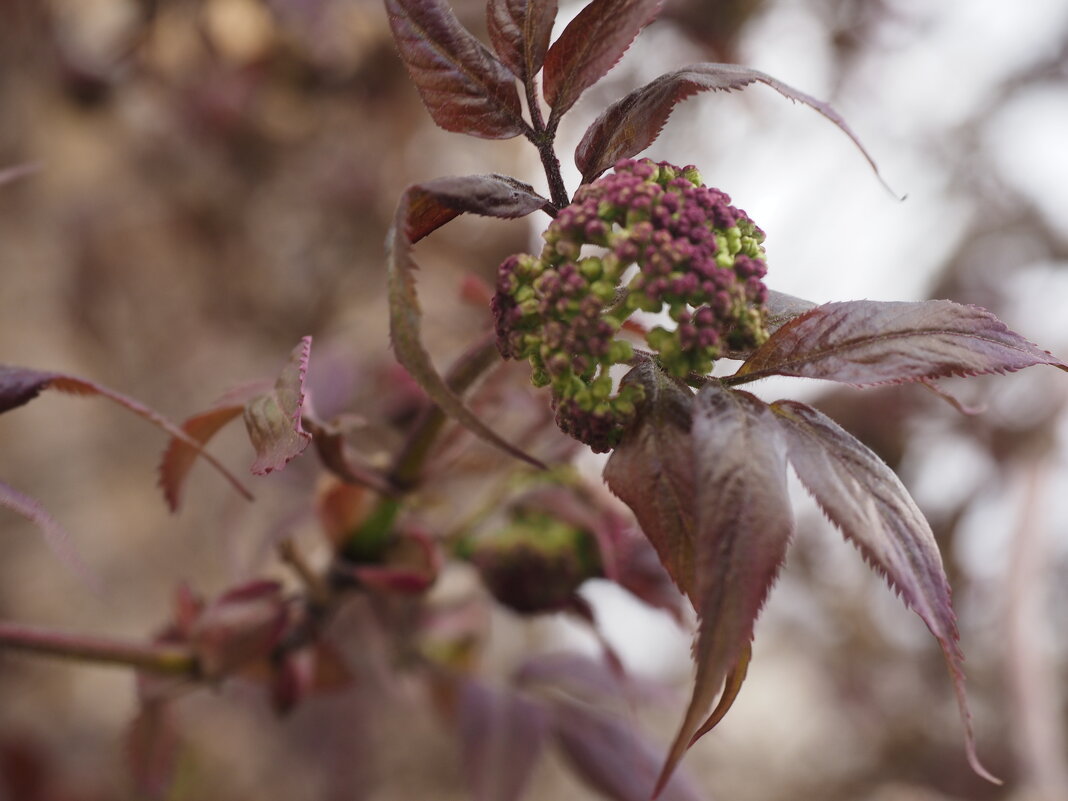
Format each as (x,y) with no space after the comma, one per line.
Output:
(214,180)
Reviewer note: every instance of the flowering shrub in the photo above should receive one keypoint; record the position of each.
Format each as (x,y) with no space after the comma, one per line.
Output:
(647,278)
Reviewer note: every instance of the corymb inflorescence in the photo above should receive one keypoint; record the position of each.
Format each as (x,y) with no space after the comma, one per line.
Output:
(698,258)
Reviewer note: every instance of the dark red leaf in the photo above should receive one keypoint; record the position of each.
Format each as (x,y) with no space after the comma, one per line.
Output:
(432,204)
(864,342)
(422,209)
(337,457)
(869,504)
(732,685)
(630,125)
(519,31)
(652,471)
(464,87)
(613,757)
(639,570)
(55,536)
(19,386)
(591,45)
(179,457)
(273,418)
(239,628)
(502,735)
(744,523)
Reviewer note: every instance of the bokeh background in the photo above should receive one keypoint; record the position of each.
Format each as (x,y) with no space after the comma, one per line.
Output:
(214,180)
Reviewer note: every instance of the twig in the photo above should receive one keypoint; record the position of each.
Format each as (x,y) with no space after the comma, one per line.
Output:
(167,659)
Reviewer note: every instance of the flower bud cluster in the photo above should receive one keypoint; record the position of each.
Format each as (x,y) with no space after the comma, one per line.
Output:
(698,258)
(536,563)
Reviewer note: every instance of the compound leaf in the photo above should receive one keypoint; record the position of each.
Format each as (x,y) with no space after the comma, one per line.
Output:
(652,471)
(864,342)
(633,123)
(519,31)
(20,385)
(422,209)
(743,525)
(868,503)
(591,45)
(464,87)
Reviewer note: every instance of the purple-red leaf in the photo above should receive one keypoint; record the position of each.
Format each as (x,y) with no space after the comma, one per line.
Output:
(55,536)
(868,503)
(19,386)
(502,735)
(744,523)
(732,686)
(591,45)
(422,209)
(334,453)
(633,123)
(863,342)
(612,757)
(464,87)
(240,627)
(180,456)
(652,471)
(273,418)
(519,31)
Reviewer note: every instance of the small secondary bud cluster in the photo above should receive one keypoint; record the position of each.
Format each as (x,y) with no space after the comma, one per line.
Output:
(698,258)
(536,563)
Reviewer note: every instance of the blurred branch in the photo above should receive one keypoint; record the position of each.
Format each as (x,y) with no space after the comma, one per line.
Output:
(1038,732)
(475,361)
(172,660)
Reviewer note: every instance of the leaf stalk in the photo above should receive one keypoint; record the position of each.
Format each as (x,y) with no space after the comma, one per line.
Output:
(166,659)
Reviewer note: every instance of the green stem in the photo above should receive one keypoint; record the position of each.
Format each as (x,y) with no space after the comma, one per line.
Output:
(171,660)
(374,533)
(475,361)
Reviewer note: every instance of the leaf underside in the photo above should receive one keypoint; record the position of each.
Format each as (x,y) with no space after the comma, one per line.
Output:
(744,523)
(273,419)
(590,46)
(652,471)
(463,85)
(19,386)
(869,504)
(519,31)
(422,209)
(633,123)
(865,342)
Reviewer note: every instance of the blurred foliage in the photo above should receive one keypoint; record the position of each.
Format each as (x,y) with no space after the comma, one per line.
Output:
(216,181)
